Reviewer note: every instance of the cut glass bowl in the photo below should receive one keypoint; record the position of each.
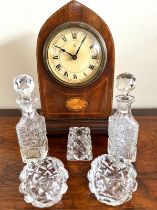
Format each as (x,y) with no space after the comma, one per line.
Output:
(112,179)
(43,182)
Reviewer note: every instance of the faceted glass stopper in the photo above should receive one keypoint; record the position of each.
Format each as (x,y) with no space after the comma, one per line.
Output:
(112,179)
(43,182)
(125,82)
(24,85)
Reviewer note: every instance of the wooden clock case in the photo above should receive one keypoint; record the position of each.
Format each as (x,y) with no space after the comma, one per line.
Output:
(96,97)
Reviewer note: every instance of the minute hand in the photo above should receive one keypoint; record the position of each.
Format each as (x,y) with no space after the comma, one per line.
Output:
(81,44)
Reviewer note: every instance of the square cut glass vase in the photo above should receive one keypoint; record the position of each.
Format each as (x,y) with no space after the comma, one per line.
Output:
(79,146)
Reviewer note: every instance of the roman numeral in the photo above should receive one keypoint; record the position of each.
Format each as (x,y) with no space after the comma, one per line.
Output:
(91,67)
(58,67)
(74,35)
(66,74)
(74,76)
(55,57)
(85,74)
(64,38)
(91,46)
(94,56)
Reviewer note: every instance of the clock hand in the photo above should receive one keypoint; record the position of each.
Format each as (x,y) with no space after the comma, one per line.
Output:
(81,45)
(63,50)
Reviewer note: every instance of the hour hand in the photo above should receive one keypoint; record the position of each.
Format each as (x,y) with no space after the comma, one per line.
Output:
(63,50)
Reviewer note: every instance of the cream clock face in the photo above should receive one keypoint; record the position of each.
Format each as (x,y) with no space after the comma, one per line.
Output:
(75,54)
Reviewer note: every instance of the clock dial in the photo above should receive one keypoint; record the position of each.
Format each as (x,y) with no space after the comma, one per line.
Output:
(75,55)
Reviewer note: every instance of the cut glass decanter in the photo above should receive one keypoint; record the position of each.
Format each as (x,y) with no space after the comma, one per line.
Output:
(112,179)
(43,182)
(123,128)
(31,129)
(79,145)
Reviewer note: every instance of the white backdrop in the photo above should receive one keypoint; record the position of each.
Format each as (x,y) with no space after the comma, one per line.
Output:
(133,25)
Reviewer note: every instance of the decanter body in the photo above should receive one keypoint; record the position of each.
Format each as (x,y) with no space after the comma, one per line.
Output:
(31,129)
(123,130)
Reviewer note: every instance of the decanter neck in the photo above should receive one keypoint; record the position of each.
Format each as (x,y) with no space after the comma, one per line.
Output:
(124,104)
(27,107)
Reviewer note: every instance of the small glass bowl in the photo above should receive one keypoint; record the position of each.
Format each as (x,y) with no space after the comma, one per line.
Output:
(112,179)
(43,182)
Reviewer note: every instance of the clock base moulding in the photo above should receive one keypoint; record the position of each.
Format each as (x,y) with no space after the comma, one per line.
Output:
(61,126)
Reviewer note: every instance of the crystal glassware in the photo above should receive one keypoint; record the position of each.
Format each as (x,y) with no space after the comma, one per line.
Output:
(79,145)
(112,179)
(43,182)
(31,129)
(123,128)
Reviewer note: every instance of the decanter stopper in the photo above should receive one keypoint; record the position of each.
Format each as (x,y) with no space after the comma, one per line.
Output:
(31,129)
(24,85)
(125,83)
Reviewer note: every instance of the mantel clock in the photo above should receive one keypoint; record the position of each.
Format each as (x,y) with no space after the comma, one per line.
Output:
(75,62)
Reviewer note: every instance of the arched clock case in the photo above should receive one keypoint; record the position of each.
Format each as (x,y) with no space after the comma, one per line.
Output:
(75,62)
